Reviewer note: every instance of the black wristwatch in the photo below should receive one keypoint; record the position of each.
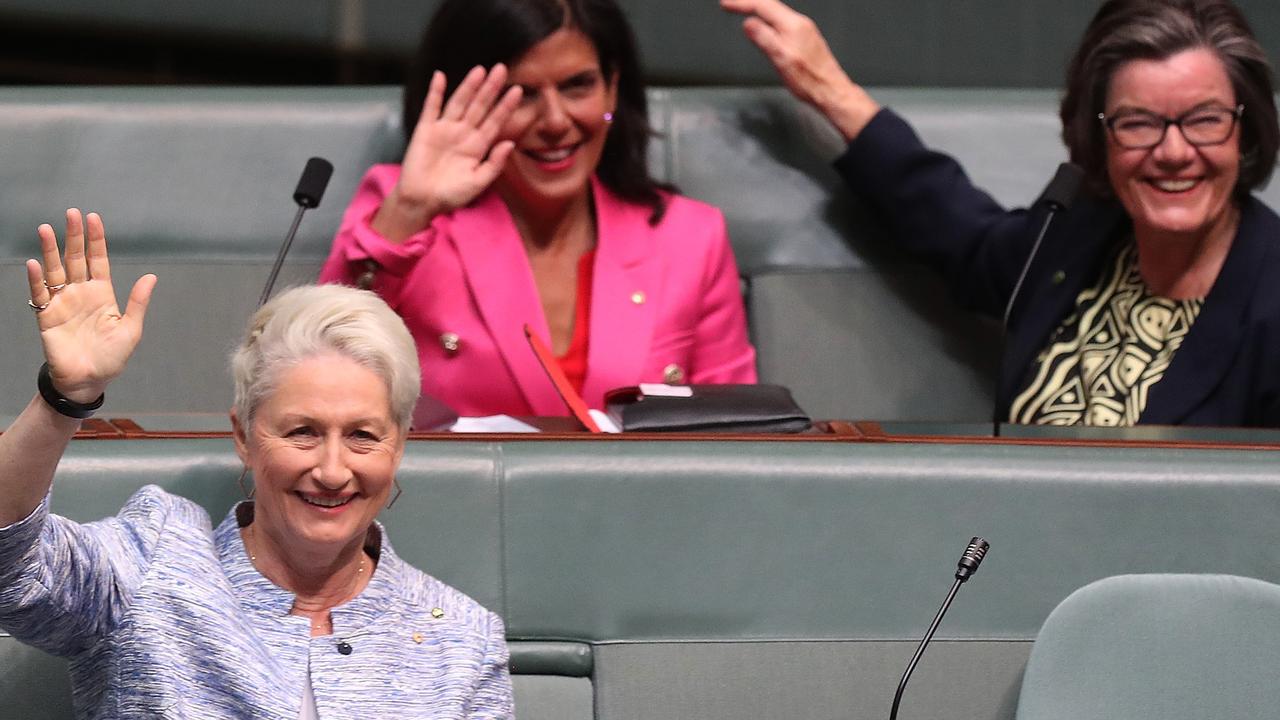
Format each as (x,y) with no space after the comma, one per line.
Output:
(61,403)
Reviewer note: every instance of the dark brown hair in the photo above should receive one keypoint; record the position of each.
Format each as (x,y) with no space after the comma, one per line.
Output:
(465,33)
(1125,30)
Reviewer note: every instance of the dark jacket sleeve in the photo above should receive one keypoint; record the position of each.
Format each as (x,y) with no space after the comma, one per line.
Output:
(932,208)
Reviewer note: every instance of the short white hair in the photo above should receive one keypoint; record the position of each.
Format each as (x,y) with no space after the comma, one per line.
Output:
(311,320)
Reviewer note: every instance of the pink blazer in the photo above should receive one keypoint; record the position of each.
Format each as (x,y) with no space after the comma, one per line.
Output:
(664,299)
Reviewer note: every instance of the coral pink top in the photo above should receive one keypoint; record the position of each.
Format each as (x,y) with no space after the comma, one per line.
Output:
(574,361)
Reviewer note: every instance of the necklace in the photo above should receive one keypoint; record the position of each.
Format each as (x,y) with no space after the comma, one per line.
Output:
(325,621)
(253,557)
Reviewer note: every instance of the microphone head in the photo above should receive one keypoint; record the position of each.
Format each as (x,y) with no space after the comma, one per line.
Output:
(1064,188)
(971,558)
(315,178)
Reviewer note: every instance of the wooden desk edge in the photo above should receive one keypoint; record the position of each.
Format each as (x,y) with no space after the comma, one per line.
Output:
(827,431)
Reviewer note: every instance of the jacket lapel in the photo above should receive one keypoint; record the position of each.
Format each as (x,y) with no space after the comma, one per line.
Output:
(1070,259)
(626,288)
(502,288)
(1217,334)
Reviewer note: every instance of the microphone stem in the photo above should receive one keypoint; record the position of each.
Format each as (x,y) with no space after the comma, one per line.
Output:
(284,250)
(1017,287)
(897,697)
(1008,311)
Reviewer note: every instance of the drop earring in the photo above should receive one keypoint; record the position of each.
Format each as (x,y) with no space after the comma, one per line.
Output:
(399,490)
(245,490)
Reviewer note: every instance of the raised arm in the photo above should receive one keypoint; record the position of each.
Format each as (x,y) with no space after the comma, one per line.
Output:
(454,153)
(795,46)
(86,342)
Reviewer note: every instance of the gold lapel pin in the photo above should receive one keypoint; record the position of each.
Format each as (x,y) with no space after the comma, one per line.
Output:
(450,342)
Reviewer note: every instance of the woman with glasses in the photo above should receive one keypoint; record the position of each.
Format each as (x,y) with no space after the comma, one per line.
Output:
(1149,300)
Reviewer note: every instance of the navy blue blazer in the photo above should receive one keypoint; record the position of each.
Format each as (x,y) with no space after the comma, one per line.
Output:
(1227,371)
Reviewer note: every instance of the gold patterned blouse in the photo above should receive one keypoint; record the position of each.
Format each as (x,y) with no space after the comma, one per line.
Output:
(1104,359)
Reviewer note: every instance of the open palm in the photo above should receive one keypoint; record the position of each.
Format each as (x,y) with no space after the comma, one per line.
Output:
(87,341)
(454,154)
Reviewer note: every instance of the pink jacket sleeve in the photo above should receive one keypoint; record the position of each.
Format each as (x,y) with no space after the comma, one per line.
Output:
(357,242)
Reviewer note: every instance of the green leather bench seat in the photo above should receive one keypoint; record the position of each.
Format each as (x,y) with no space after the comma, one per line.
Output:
(195,184)
(756,579)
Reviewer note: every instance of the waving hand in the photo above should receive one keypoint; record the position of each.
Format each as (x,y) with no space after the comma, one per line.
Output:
(806,65)
(454,153)
(86,339)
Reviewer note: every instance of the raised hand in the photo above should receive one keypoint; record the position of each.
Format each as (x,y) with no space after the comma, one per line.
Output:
(795,46)
(454,153)
(86,340)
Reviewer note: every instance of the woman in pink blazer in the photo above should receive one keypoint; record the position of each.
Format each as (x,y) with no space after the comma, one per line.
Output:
(524,198)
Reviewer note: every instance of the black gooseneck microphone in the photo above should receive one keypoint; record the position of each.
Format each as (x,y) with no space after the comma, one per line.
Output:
(1058,196)
(967,566)
(315,178)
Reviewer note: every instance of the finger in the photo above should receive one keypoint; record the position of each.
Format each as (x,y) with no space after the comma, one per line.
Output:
(430,109)
(458,101)
(486,95)
(73,258)
(742,7)
(435,98)
(99,267)
(771,11)
(35,278)
(489,169)
(54,274)
(765,37)
(501,112)
(139,298)
(739,5)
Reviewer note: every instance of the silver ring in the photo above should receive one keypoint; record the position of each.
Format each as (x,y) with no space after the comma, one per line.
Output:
(54,288)
(37,308)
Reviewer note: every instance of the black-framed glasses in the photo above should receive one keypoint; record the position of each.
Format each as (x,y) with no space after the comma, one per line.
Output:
(1142,130)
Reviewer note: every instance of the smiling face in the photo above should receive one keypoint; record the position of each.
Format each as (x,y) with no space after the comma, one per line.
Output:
(560,127)
(323,449)
(1175,189)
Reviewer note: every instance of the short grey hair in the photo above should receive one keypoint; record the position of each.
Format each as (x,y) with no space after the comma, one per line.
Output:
(312,320)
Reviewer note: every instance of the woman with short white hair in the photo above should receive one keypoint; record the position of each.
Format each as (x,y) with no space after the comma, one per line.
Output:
(295,605)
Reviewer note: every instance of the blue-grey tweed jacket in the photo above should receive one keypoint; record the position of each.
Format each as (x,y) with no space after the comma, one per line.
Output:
(162,616)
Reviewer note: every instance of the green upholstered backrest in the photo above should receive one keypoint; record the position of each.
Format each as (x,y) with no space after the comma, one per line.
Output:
(663,540)
(601,541)
(195,185)
(729,579)
(1158,647)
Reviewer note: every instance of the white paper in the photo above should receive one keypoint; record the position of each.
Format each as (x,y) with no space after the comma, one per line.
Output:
(491,424)
(660,390)
(603,421)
